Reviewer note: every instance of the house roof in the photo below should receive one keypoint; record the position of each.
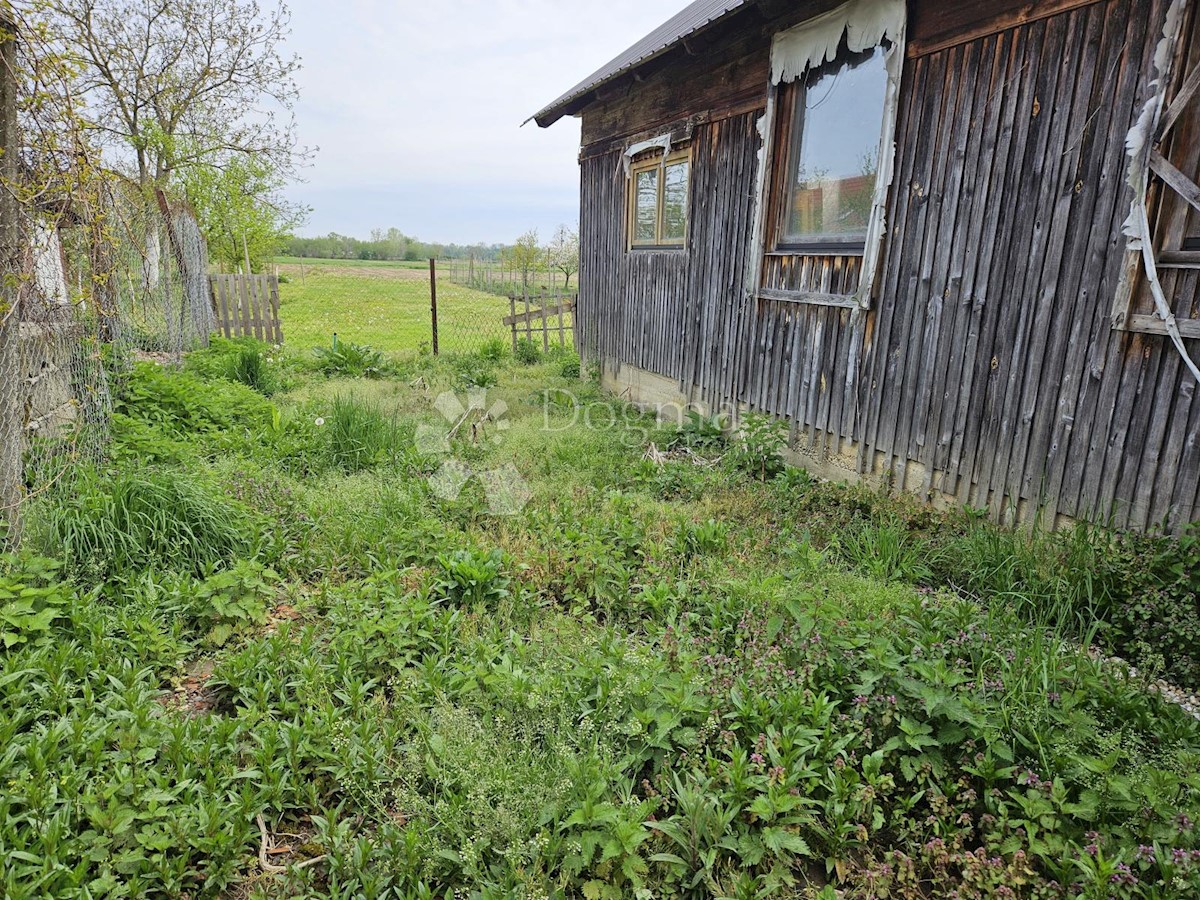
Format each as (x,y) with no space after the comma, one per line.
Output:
(696,17)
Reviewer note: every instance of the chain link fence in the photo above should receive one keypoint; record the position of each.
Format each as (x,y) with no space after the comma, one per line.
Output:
(390,306)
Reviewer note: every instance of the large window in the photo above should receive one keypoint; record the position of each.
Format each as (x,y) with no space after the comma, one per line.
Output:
(658,201)
(832,132)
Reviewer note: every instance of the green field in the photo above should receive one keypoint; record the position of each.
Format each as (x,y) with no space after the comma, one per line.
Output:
(419,264)
(385,306)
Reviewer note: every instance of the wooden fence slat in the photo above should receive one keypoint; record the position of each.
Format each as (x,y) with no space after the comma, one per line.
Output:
(276,324)
(247,306)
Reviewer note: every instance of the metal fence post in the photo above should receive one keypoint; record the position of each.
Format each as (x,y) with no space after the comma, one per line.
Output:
(433,302)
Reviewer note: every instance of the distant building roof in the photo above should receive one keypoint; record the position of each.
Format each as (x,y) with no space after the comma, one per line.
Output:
(696,17)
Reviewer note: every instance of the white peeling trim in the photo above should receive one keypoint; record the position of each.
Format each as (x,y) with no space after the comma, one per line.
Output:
(663,141)
(877,223)
(865,23)
(766,128)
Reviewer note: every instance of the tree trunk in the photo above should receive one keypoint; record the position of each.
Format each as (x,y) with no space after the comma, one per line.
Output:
(11,406)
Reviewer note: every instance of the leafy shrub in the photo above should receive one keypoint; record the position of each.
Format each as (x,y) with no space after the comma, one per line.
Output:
(570,365)
(472,577)
(233,600)
(31,599)
(699,432)
(180,404)
(528,352)
(113,525)
(757,451)
(350,360)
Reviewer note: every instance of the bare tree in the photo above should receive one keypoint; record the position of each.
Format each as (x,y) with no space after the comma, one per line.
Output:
(173,84)
(564,253)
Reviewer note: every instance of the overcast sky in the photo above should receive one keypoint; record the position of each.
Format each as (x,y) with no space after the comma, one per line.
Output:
(416,108)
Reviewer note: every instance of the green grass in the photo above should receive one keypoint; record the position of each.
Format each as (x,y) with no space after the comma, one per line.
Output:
(366,306)
(417,264)
(654,679)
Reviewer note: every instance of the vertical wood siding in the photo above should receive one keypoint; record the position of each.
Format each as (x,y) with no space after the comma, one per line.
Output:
(988,356)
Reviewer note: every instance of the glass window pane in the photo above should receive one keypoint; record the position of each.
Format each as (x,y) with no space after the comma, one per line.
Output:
(839,119)
(675,196)
(645,228)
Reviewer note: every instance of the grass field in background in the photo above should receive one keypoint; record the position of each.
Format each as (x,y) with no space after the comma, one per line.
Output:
(368,304)
(421,264)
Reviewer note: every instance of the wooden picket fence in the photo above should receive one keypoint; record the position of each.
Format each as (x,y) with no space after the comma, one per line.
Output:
(247,306)
(525,311)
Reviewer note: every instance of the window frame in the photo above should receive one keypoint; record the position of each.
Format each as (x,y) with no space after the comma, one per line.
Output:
(790,135)
(794,52)
(658,161)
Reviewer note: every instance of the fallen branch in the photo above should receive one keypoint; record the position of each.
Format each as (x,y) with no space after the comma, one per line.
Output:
(266,847)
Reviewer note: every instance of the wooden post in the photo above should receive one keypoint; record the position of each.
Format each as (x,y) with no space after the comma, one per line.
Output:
(562,311)
(528,322)
(433,302)
(512,311)
(545,324)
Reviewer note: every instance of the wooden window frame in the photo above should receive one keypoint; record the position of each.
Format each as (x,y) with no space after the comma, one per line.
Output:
(789,134)
(1172,197)
(660,162)
(773,189)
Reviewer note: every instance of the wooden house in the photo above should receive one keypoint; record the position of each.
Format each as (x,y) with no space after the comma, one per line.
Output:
(955,245)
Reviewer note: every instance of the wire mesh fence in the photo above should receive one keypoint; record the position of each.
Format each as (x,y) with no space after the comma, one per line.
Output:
(389,306)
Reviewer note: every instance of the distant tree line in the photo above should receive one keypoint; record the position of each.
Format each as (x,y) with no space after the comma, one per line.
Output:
(391,244)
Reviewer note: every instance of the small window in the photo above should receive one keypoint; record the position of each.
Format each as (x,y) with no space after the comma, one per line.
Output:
(833,154)
(659,201)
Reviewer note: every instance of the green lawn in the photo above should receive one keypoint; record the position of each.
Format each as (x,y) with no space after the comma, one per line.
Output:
(377,306)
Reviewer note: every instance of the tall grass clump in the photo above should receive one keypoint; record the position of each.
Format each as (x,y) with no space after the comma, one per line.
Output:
(109,527)
(250,368)
(360,435)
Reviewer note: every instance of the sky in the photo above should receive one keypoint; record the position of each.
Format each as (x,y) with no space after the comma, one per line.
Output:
(416,108)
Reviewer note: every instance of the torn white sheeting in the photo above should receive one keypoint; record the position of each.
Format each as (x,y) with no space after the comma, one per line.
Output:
(865,23)
(49,278)
(877,224)
(662,141)
(764,126)
(1138,143)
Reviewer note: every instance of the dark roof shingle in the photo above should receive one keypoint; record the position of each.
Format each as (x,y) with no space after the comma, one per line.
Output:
(696,16)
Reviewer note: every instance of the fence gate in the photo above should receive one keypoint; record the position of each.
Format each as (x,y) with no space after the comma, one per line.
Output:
(545,308)
(247,306)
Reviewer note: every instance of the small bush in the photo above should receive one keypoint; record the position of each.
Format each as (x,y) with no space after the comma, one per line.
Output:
(350,360)
(699,432)
(528,352)
(472,577)
(181,404)
(759,446)
(31,599)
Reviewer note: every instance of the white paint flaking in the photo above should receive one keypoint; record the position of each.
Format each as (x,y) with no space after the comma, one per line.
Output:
(865,23)
(663,141)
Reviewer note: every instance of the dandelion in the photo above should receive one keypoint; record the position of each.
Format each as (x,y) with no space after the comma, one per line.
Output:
(318,421)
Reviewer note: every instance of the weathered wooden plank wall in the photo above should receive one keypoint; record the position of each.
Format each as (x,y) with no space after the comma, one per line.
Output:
(988,356)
